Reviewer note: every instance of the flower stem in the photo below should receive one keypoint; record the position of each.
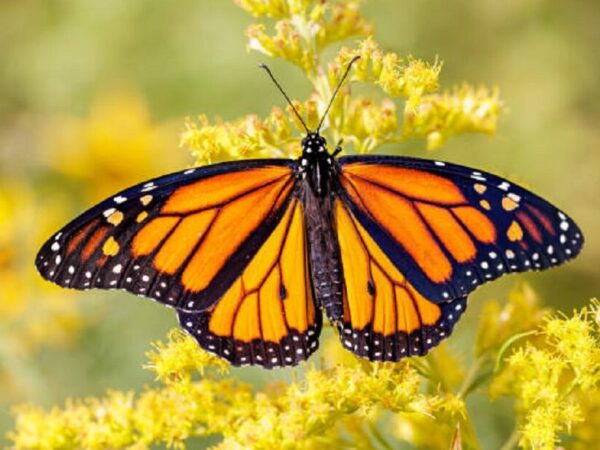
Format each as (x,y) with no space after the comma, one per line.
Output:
(471,377)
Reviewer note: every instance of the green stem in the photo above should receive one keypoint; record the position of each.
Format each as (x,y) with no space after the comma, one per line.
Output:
(470,438)
(507,344)
(470,377)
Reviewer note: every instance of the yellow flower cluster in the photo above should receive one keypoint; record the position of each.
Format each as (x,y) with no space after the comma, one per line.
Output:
(398,78)
(180,357)
(303,414)
(302,30)
(549,375)
(437,117)
(554,377)
(249,136)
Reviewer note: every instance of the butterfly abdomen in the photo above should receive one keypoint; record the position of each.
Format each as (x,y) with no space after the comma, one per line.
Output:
(324,252)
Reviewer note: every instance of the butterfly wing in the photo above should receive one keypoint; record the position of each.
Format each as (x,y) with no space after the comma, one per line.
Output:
(448,228)
(181,239)
(385,317)
(268,316)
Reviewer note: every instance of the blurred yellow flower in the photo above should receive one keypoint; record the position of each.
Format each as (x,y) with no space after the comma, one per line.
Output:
(521,313)
(437,117)
(34,316)
(545,376)
(118,144)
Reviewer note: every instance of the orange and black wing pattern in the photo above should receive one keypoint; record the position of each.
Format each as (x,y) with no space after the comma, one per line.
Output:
(182,239)
(385,318)
(448,228)
(268,315)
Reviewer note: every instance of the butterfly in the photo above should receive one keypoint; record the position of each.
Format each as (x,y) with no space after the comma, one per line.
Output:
(251,253)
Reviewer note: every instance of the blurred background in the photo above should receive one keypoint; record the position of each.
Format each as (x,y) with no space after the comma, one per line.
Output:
(93,97)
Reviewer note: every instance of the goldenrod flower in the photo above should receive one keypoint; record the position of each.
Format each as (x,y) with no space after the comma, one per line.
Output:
(546,375)
(302,30)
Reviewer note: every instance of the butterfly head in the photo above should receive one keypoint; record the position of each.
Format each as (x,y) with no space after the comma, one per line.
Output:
(314,143)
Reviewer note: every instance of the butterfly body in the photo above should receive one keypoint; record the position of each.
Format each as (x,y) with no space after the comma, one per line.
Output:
(318,186)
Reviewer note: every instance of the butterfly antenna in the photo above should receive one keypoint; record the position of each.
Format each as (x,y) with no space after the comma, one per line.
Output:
(264,66)
(356,58)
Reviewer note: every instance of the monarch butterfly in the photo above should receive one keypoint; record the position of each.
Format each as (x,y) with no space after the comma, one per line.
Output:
(250,253)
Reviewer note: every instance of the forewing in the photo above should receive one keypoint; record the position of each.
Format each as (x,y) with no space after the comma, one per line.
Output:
(268,316)
(385,317)
(181,239)
(449,228)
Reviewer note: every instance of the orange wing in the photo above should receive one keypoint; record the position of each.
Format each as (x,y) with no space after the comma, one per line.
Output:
(385,317)
(448,228)
(181,239)
(267,316)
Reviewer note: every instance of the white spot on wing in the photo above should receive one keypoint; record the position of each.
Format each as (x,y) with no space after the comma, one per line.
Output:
(108,212)
(148,187)
(513,196)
